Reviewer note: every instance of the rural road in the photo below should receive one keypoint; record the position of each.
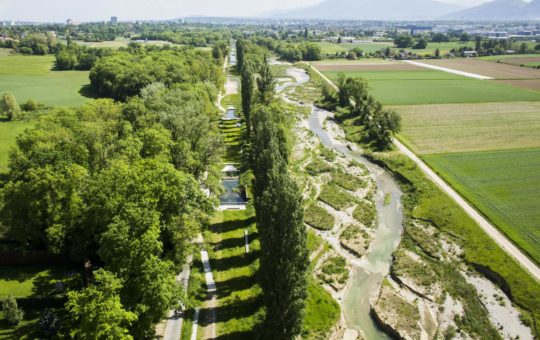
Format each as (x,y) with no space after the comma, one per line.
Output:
(488,228)
(173,328)
(449,70)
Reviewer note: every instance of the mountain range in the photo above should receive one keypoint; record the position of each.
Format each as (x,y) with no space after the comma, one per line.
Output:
(414,10)
(500,10)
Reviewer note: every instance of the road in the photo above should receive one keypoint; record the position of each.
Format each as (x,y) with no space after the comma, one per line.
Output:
(173,328)
(488,228)
(449,70)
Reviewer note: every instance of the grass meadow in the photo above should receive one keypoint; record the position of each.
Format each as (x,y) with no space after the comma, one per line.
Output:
(32,77)
(436,87)
(503,185)
(8,133)
(445,47)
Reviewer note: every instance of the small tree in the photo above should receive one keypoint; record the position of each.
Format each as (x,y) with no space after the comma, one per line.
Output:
(49,322)
(12,313)
(437,53)
(9,106)
(523,48)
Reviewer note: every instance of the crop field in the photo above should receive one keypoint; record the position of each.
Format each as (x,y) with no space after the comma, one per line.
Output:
(443,47)
(470,127)
(503,185)
(529,60)
(31,77)
(486,68)
(424,86)
(8,132)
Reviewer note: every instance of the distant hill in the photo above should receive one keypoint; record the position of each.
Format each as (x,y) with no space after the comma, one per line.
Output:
(500,10)
(371,10)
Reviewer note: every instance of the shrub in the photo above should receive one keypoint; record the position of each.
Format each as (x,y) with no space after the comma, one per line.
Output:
(317,167)
(12,313)
(49,322)
(365,213)
(336,198)
(9,106)
(318,218)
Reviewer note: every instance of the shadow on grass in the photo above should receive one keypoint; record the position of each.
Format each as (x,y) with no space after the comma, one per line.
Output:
(88,92)
(236,310)
(232,225)
(227,287)
(236,242)
(24,329)
(237,335)
(227,263)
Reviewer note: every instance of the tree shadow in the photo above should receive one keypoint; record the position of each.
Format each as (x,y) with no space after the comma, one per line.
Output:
(227,287)
(236,242)
(243,260)
(88,92)
(235,310)
(232,225)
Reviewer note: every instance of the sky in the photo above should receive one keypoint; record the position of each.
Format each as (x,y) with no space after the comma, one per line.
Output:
(97,10)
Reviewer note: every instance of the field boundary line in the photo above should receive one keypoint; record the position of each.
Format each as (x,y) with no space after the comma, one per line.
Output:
(495,234)
(449,70)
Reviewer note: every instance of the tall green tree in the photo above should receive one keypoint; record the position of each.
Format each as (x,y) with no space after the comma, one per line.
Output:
(248,92)
(96,311)
(265,83)
(278,204)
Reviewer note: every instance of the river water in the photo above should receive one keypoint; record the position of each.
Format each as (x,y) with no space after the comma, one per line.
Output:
(368,274)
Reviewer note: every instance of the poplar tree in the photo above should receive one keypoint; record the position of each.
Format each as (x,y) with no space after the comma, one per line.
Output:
(284,257)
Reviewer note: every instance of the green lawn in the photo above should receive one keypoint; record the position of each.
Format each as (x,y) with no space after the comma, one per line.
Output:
(333,48)
(434,87)
(444,47)
(8,132)
(36,280)
(239,295)
(444,128)
(503,185)
(31,77)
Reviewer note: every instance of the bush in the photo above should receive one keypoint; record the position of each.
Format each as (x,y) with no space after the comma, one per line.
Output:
(319,218)
(336,198)
(317,167)
(9,106)
(12,313)
(347,181)
(30,106)
(365,213)
(49,322)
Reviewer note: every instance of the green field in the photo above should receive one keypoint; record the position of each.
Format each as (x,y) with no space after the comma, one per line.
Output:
(8,132)
(31,77)
(434,87)
(503,185)
(508,56)
(333,48)
(443,47)
(430,129)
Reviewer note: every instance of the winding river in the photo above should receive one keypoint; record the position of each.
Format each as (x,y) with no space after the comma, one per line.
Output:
(369,272)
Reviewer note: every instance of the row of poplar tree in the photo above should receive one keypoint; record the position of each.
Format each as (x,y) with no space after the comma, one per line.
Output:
(284,258)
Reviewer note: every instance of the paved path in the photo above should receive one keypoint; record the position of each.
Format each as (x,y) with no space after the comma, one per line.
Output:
(173,328)
(490,230)
(493,232)
(449,70)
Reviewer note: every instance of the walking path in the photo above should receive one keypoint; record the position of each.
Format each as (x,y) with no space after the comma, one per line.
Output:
(173,328)
(490,230)
(449,70)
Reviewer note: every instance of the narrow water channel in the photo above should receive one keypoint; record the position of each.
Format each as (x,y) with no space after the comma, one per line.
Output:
(368,275)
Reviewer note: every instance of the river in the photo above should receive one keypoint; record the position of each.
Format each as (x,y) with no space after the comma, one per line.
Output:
(368,273)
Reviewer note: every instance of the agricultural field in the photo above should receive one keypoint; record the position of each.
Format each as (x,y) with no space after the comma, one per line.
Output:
(470,127)
(489,69)
(504,185)
(32,77)
(403,84)
(120,42)
(445,47)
